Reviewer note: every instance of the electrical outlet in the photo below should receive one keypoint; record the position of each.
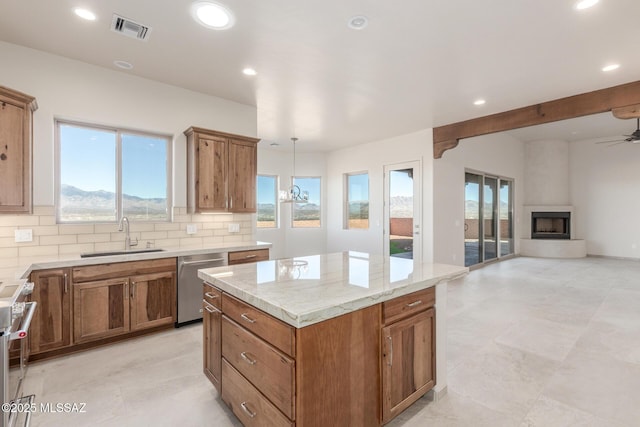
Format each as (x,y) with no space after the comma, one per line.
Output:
(192,228)
(234,228)
(24,235)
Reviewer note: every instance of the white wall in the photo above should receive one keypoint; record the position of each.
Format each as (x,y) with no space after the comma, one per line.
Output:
(372,157)
(605,191)
(288,241)
(498,154)
(70,89)
(547,172)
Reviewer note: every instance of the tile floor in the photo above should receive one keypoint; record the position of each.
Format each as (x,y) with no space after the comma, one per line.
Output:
(531,342)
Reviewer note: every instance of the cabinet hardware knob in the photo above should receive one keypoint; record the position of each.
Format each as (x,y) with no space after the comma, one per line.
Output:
(247,318)
(66,283)
(210,295)
(250,256)
(413,304)
(390,362)
(244,407)
(209,309)
(247,359)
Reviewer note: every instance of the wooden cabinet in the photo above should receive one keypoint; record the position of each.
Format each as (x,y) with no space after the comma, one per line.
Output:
(243,257)
(152,300)
(408,351)
(100,309)
(273,374)
(51,324)
(16,111)
(114,299)
(212,332)
(221,171)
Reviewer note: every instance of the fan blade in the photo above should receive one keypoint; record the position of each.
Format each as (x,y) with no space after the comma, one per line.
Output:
(613,140)
(619,142)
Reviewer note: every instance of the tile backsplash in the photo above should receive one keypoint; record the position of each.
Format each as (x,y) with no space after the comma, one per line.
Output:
(51,239)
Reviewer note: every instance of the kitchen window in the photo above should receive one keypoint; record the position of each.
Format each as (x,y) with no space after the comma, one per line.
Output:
(105,173)
(356,207)
(307,215)
(267,201)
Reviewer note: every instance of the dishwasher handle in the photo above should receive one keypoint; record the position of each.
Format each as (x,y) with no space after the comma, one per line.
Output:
(204,261)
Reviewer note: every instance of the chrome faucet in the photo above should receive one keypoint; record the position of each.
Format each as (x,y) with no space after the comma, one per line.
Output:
(124,224)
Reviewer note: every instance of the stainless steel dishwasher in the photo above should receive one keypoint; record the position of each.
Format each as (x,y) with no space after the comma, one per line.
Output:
(190,286)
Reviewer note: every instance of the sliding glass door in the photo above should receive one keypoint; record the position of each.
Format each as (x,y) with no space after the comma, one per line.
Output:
(488,218)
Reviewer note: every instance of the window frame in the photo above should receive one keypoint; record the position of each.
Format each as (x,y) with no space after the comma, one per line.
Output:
(346,200)
(275,199)
(293,205)
(119,131)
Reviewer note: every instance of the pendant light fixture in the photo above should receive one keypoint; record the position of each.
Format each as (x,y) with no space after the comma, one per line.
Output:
(294,194)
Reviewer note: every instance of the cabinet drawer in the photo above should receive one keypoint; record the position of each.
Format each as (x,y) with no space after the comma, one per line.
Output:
(246,402)
(268,369)
(212,295)
(270,329)
(241,257)
(401,307)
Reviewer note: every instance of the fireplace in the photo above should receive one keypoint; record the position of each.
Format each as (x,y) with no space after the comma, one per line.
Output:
(551,225)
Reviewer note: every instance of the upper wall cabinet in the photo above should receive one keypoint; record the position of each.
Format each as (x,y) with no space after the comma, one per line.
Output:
(16,111)
(221,171)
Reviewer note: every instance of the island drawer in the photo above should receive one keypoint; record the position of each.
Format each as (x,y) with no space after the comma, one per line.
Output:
(247,403)
(267,368)
(270,329)
(241,257)
(212,295)
(407,305)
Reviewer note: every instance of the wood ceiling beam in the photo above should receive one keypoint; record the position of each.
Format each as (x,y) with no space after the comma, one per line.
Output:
(623,99)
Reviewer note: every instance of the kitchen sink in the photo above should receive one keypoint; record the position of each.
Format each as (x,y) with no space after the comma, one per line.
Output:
(110,253)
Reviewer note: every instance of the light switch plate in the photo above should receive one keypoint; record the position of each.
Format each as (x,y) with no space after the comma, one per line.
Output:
(24,235)
(234,228)
(192,228)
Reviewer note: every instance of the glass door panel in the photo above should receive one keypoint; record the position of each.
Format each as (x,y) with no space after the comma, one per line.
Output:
(489,218)
(472,243)
(506,217)
(402,210)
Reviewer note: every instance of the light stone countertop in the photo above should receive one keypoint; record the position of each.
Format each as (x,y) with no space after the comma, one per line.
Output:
(24,266)
(306,290)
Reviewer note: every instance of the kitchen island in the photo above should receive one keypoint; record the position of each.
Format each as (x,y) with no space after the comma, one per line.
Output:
(338,339)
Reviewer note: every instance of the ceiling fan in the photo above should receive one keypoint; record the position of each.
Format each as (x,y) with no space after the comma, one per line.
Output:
(634,138)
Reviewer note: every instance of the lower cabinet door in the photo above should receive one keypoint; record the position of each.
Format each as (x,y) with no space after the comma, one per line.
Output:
(212,350)
(247,403)
(101,309)
(408,362)
(51,324)
(152,300)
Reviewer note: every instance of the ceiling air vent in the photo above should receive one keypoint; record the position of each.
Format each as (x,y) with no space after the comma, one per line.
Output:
(129,28)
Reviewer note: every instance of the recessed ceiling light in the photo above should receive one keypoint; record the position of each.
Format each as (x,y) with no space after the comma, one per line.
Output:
(123,64)
(610,67)
(358,22)
(479,102)
(212,15)
(85,14)
(585,4)
(249,72)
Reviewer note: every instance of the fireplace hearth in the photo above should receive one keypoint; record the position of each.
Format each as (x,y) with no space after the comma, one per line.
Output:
(551,225)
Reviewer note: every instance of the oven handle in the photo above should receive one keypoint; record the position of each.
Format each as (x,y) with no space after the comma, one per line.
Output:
(26,322)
